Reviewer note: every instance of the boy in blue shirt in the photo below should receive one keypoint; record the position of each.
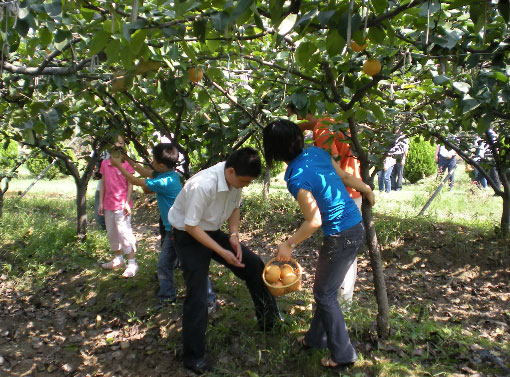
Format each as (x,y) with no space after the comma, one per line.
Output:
(166,183)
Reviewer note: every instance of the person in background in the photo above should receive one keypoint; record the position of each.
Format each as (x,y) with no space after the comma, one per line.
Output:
(115,203)
(166,183)
(402,149)
(337,146)
(318,183)
(446,160)
(208,200)
(98,176)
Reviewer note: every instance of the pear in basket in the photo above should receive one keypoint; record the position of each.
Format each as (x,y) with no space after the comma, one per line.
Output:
(272,273)
(285,270)
(289,279)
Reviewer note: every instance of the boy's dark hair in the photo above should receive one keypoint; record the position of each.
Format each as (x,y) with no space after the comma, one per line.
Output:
(246,162)
(283,141)
(167,154)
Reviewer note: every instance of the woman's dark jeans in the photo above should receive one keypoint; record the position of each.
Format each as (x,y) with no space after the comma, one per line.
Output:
(328,327)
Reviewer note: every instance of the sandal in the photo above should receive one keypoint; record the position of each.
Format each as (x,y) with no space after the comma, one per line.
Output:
(131,270)
(328,363)
(301,342)
(112,265)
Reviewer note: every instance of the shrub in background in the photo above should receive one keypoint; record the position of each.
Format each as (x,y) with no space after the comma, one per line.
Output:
(420,161)
(8,155)
(38,161)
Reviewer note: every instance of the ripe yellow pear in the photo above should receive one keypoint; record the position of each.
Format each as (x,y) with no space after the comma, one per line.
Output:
(372,67)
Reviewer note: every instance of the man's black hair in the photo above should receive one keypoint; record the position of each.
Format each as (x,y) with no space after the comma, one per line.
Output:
(246,162)
(167,154)
(283,141)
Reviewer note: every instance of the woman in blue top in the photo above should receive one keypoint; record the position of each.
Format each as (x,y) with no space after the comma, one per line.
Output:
(317,182)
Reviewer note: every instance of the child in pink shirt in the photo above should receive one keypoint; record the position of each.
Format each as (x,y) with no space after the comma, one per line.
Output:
(115,203)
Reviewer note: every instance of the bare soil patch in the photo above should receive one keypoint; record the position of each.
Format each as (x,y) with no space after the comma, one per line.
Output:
(454,274)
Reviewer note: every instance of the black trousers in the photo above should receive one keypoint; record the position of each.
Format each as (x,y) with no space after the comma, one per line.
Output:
(195,259)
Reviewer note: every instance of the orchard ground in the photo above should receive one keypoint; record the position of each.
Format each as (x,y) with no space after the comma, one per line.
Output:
(447,276)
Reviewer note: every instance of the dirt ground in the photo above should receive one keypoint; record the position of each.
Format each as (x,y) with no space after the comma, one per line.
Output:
(460,282)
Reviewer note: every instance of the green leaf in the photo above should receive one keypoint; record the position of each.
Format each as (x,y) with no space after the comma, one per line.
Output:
(87,14)
(380,5)
(377,34)
(242,6)
(28,135)
(23,12)
(440,79)
(300,100)
(138,41)
(287,24)
(212,45)
(51,119)
(504,9)
(220,21)
(190,106)
(276,10)
(45,36)
(324,17)
(22,27)
(68,132)
(112,51)
(453,36)
(62,37)
(39,127)
(304,52)
(98,42)
(54,9)
(126,58)
(461,86)
(469,103)
(334,43)
(378,112)
(203,98)
(199,29)
(476,11)
(498,75)
(189,52)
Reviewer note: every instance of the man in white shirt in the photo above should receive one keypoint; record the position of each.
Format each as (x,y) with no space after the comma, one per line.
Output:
(208,200)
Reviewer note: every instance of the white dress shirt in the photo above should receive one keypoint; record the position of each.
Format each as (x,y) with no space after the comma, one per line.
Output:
(205,200)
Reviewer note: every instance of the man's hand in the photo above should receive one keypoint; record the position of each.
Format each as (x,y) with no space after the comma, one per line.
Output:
(236,245)
(284,252)
(230,258)
(127,209)
(100,209)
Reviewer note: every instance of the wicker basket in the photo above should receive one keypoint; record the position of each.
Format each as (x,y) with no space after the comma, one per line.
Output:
(284,289)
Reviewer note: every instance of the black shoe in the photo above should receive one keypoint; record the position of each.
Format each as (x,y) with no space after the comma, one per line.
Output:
(163,304)
(212,307)
(199,367)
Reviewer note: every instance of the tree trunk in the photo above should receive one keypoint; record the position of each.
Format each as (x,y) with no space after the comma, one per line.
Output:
(383,314)
(1,202)
(81,209)
(267,181)
(505,216)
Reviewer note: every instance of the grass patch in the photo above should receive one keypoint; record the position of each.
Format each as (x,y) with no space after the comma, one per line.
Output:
(40,250)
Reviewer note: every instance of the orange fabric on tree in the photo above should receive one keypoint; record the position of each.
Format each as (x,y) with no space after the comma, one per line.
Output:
(331,142)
